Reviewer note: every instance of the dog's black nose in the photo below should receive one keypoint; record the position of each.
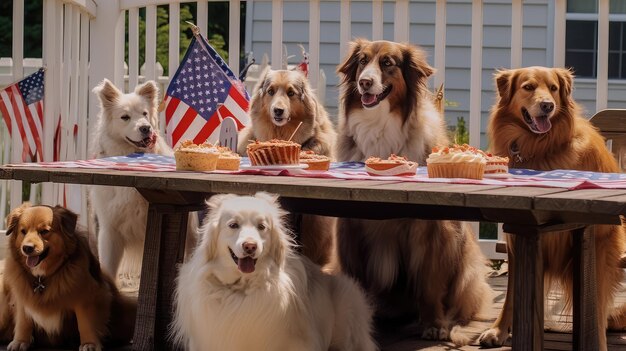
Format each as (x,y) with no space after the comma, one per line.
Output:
(249,248)
(278,111)
(365,84)
(547,106)
(145,129)
(27,249)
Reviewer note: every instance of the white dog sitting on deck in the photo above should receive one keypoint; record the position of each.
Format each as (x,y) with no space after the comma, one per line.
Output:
(127,123)
(245,288)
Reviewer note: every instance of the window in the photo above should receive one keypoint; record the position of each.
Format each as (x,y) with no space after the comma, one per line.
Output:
(581,38)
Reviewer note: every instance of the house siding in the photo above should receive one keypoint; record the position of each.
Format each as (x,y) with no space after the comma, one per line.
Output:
(537,40)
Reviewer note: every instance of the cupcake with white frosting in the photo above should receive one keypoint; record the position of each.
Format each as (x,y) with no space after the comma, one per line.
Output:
(458,161)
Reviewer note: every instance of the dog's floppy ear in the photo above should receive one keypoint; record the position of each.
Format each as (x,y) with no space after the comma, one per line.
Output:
(149,91)
(280,243)
(107,93)
(14,217)
(66,219)
(415,63)
(308,97)
(259,88)
(566,81)
(210,227)
(349,66)
(415,71)
(505,82)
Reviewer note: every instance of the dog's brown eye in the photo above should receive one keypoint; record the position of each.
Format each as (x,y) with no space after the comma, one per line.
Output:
(290,93)
(233,225)
(126,118)
(145,113)
(529,87)
(270,92)
(554,88)
(363,61)
(44,232)
(261,226)
(23,231)
(387,62)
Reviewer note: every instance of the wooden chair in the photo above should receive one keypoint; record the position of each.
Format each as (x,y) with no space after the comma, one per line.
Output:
(612,125)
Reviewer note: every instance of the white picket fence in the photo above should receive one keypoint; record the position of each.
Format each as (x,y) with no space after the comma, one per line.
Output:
(84,42)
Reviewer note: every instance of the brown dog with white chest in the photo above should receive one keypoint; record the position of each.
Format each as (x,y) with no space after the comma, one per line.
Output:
(56,285)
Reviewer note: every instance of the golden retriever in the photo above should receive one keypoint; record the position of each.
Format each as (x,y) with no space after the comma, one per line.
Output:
(538,125)
(127,123)
(281,100)
(431,271)
(245,288)
(56,285)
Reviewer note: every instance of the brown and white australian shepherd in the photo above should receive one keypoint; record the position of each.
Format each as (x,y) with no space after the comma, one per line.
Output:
(281,100)
(538,125)
(431,271)
(55,285)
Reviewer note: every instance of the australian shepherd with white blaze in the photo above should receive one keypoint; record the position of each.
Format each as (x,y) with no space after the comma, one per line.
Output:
(245,288)
(127,123)
(282,99)
(427,271)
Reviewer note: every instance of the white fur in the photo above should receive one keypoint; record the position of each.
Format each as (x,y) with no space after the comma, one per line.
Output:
(381,136)
(286,303)
(121,211)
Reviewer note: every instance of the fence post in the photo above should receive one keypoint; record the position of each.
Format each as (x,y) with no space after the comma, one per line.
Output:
(107,49)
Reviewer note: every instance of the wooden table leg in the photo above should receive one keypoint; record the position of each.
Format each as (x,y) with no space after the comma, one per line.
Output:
(165,241)
(528,284)
(585,329)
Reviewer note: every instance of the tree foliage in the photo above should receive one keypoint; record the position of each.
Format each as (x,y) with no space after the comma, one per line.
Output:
(217,36)
(33,14)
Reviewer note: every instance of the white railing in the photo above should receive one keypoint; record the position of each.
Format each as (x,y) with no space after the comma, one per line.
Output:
(77,29)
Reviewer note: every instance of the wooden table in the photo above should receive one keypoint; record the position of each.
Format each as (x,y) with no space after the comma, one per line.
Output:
(525,211)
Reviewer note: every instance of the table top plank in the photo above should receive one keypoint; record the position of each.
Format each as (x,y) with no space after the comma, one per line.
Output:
(601,201)
(524,201)
(509,197)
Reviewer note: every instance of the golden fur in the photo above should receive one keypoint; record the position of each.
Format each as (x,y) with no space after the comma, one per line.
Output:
(555,136)
(245,288)
(74,302)
(432,271)
(290,92)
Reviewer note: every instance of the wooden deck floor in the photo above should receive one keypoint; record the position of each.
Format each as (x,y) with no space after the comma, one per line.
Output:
(553,340)
(398,341)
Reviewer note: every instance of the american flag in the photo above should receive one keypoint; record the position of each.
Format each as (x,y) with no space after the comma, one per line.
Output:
(21,105)
(201,94)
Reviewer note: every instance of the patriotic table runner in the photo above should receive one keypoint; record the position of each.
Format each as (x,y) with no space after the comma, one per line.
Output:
(355,170)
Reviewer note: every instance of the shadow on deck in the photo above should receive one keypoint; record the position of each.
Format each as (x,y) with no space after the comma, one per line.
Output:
(553,340)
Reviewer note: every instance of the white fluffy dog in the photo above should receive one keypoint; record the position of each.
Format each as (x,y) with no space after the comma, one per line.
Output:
(244,288)
(127,123)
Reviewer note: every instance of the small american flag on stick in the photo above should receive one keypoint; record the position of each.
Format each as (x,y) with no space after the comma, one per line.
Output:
(202,86)
(21,104)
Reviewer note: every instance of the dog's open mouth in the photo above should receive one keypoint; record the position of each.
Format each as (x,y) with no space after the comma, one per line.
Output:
(145,143)
(246,264)
(539,124)
(371,100)
(33,261)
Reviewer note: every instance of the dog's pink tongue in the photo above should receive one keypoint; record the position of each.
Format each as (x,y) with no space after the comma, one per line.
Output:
(368,99)
(543,123)
(31,261)
(246,264)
